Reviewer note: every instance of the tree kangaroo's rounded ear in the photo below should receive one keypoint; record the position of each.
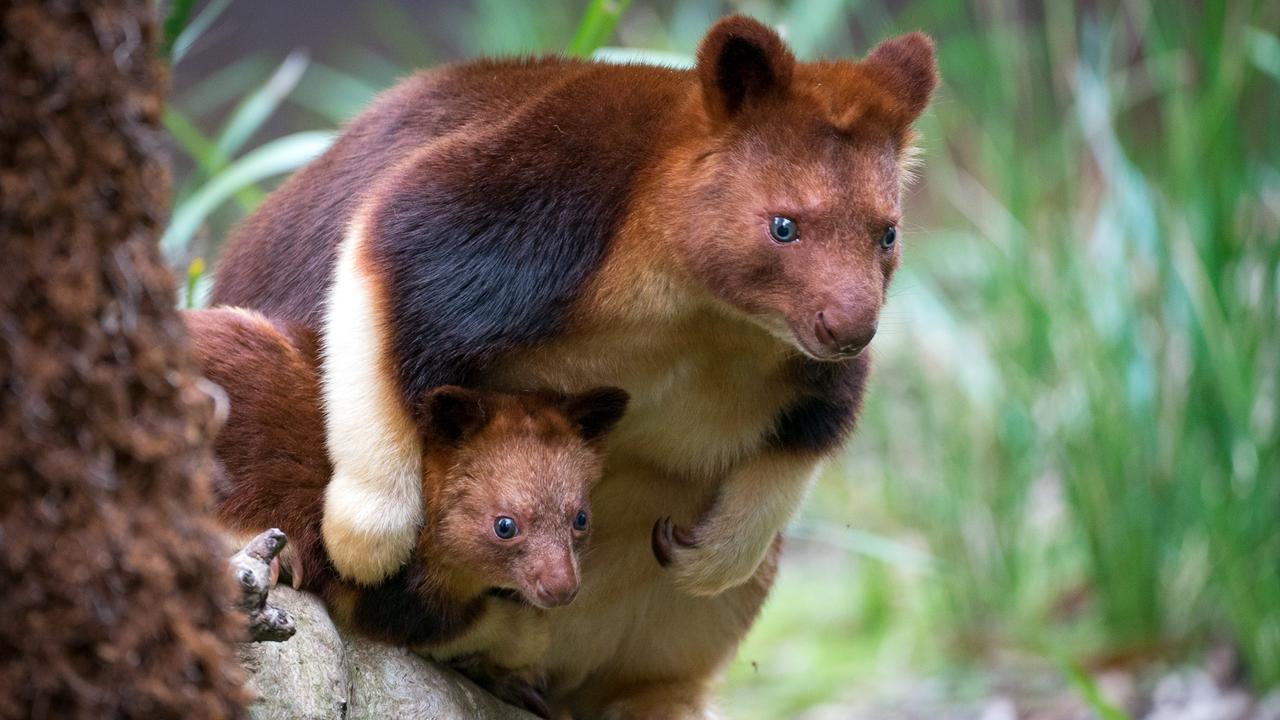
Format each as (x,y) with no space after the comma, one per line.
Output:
(452,413)
(596,411)
(909,71)
(741,61)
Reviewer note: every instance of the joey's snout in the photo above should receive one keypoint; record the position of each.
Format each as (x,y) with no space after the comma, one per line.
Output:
(555,583)
(844,331)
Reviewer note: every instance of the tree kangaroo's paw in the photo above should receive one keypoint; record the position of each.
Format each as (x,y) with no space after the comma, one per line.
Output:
(256,568)
(701,565)
(669,538)
(368,535)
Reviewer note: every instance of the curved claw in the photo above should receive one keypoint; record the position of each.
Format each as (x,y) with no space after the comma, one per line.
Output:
(667,537)
(271,624)
(267,545)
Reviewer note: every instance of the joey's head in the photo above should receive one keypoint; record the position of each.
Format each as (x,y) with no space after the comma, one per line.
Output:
(794,183)
(513,473)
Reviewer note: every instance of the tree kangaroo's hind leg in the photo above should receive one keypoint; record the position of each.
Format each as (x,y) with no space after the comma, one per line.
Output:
(373,504)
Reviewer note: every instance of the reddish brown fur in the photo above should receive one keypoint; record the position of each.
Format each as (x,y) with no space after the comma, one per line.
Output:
(553,223)
(821,143)
(531,456)
(272,468)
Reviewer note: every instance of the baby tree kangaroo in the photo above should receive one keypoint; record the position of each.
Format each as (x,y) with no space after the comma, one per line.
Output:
(505,482)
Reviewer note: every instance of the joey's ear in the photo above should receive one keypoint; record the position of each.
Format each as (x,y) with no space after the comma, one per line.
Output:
(596,411)
(741,61)
(907,67)
(453,413)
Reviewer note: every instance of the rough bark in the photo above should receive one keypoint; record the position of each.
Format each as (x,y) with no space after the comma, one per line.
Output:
(114,595)
(326,674)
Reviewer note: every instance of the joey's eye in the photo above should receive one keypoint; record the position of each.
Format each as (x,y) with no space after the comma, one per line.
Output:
(889,237)
(580,520)
(783,230)
(505,528)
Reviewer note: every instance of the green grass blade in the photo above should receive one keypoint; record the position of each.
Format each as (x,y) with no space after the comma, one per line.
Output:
(811,26)
(258,107)
(206,154)
(182,44)
(598,22)
(335,95)
(276,157)
(1088,689)
(195,271)
(198,147)
(1264,51)
(174,22)
(223,86)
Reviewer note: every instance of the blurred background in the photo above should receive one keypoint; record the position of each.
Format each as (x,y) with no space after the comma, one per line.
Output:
(1063,499)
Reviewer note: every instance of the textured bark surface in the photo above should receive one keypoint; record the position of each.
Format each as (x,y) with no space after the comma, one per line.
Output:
(305,677)
(114,594)
(324,674)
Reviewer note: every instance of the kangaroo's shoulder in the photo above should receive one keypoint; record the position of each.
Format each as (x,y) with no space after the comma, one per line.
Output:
(485,240)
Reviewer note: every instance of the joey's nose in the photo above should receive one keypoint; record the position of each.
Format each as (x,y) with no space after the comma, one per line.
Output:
(557,588)
(844,334)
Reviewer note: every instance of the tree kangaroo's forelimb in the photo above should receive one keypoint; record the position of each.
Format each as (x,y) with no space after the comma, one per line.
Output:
(726,545)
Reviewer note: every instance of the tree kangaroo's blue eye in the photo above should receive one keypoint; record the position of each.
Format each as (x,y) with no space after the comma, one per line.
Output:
(580,521)
(505,528)
(783,230)
(889,237)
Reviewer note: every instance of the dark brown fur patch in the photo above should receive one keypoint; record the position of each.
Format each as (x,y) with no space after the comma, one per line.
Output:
(829,400)
(503,224)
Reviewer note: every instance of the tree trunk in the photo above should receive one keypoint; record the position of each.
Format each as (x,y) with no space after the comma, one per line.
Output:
(114,601)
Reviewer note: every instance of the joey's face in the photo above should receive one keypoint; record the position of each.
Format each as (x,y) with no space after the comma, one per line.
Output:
(513,474)
(518,515)
(793,186)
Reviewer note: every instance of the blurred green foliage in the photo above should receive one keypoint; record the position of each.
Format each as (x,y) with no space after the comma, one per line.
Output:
(1071,447)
